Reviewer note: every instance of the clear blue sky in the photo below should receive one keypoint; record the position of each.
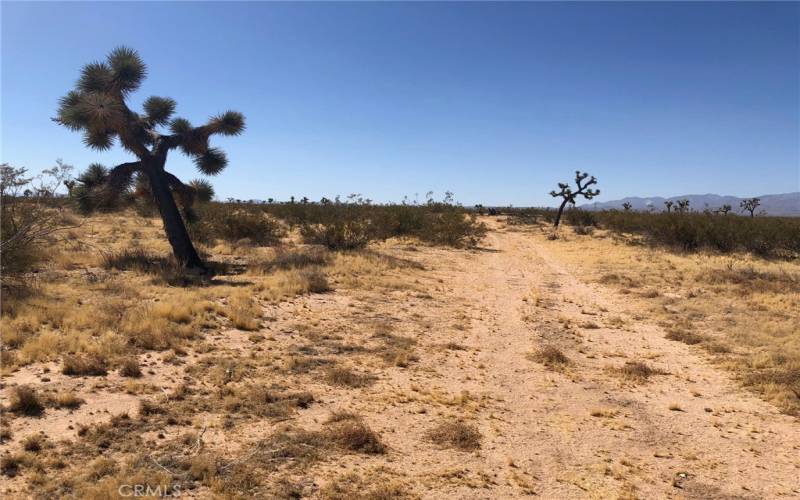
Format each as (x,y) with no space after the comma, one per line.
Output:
(494,101)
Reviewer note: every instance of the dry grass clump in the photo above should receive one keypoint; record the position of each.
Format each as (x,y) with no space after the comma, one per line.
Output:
(10,465)
(68,400)
(348,431)
(638,371)
(682,335)
(25,401)
(396,350)
(316,281)
(147,330)
(752,280)
(347,377)
(130,368)
(265,402)
(550,356)
(780,384)
(138,259)
(370,486)
(456,434)
(244,312)
(293,259)
(34,443)
(84,365)
(286,284)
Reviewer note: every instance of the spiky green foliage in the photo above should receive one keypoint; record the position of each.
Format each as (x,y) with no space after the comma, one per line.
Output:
(159,109)
(128,69)
(212,162)
(87,193)
(94,176)
(203,190)
(95,77)
(228,123)
(180,126)
(97,107)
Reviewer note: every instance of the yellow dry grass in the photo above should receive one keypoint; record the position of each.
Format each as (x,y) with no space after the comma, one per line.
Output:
(740,308)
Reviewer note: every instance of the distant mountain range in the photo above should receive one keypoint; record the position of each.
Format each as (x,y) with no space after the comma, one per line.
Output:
(772,204)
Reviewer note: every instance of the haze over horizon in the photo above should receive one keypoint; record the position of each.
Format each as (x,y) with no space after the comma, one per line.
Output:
(494,102)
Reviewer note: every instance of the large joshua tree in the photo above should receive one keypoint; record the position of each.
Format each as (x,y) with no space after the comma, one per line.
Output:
(583,189)
(97,107)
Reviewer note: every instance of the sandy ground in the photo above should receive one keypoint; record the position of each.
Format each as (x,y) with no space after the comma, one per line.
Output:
(578,432)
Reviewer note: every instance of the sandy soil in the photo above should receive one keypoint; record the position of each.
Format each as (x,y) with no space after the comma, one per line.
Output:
(582,431)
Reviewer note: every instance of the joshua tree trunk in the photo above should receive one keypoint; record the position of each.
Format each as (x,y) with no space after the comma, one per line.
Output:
(178,236)
(560,211)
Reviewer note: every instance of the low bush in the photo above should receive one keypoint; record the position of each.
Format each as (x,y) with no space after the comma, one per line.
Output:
(30,218)
(763,236)
(580,218)
(234,224)
(339,234)
(83,365)
(456,434)
(25,401)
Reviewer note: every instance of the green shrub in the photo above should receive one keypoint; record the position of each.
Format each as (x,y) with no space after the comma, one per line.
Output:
(339,234)
(578,217)
(354,225)
(234,224)
(763,236)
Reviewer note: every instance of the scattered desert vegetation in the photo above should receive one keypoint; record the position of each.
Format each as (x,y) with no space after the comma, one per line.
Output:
(726,298)
(347,349)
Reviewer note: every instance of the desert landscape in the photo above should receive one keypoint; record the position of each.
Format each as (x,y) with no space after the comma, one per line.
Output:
(582,366)
(195,309)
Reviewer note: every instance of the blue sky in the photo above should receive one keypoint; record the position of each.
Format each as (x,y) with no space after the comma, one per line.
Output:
(494,101)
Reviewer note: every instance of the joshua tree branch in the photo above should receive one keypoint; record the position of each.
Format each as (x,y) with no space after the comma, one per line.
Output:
(120,176)
(185,193)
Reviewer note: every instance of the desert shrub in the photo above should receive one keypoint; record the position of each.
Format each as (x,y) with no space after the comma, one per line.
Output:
(456,434)
(581,218)
(294,259)
(25,401)
(351,433)
(550,356)
(339,234)
(317,281)
(130,368)
(452,228)
(137,259)
(30,217)
(234,224)
(763,236)
(82,365)
(354,224)
(638,371)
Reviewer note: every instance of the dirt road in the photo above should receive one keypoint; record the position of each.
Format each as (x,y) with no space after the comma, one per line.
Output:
(584,430)
(445,336)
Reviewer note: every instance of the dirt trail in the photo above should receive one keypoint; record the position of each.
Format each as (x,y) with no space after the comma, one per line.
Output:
(585,431)
(474,317)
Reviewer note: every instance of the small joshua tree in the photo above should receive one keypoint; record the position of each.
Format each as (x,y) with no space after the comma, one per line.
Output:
(724,209)
(627,206)
(683,206)
(668,204)
(97,107)
(569,195)
(750,205)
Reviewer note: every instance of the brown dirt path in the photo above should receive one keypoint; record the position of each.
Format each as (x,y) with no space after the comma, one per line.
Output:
(585,431)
